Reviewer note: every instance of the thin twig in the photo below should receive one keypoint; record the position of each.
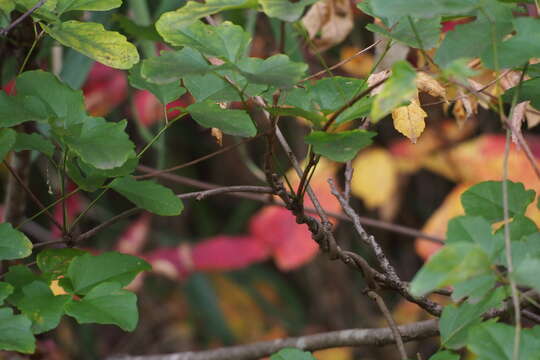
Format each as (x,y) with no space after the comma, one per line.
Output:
(341,63)
(391,323)
(400,229)
(17,21)
(196,161)
(199,195)
(531,316)
(31,194)
(352,337)
(508,249)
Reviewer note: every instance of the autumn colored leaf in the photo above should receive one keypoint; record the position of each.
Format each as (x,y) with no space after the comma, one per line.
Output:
(427,84)
(104,89)
(359,65)
(328,23)
(340,353)
(409,120)
(375,177)
(148,109)
(135,235)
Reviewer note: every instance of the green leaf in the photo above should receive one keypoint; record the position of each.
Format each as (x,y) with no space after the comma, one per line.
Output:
(518,49)
(171,66)
(165,93)
(475,288)
(459,69)
(454,263)
(54,263)
(136,31)
(87,271)
(15,333)
(13,243)
(315,117)
(104,145)
(284,9)
(90,5)
(15,110)
(342,146)
(46,11)
(5,290)
(475,39)
(194,11)
(232,122)
(225,41)
(42,307)
(107,303)
(7,140)
(19,276)
(51,96)
(210,87)
(422,8)
(485,199)
(520,227)
(473,229)
(456,321)
(399,88)
(277,70)
(91,39)
(423,34)
(526,272)
(495,341)
(292,354)
(148,195)
(330,94)
(35,142)
(444,355)
(528,91)
(6,7)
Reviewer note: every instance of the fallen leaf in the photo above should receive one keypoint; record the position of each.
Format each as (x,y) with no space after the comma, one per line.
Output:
(135,235)
(328,23)
(533,117)
(428,84)
(409,120)
(359,65)
(517,118)
(374,177)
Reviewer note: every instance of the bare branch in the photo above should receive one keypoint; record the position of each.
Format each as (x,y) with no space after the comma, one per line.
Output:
(4,31)
(391,323)
(352,337)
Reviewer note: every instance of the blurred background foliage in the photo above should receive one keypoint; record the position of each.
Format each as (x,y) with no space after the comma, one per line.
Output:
(232,270)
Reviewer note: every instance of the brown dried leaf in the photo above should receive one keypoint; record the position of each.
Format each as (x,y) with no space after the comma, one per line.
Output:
(428,84)
(518,117)
(377,77)
(328,23)
(218,135)
(409,120)
(533,117)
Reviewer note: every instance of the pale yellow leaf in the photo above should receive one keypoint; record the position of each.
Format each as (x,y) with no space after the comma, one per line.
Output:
(375,177)
(409,120)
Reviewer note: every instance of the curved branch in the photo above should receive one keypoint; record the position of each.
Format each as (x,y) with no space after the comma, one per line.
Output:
(352,337)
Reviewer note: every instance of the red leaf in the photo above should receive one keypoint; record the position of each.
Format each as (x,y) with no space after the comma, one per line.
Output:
(149,110)
(228,252)
(290,243)
(104,89)
(135,236)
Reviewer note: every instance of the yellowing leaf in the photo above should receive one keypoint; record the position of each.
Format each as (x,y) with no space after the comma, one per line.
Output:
(342,353)
(375,177)
(91,39)
(328,23)
(56,288)
(409,120)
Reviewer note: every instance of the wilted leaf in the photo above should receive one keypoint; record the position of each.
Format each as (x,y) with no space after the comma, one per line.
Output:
(375,177)
(328,23)
(428,84)
(409,120)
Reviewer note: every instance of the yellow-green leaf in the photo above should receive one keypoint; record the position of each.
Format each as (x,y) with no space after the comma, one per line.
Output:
(91,39)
